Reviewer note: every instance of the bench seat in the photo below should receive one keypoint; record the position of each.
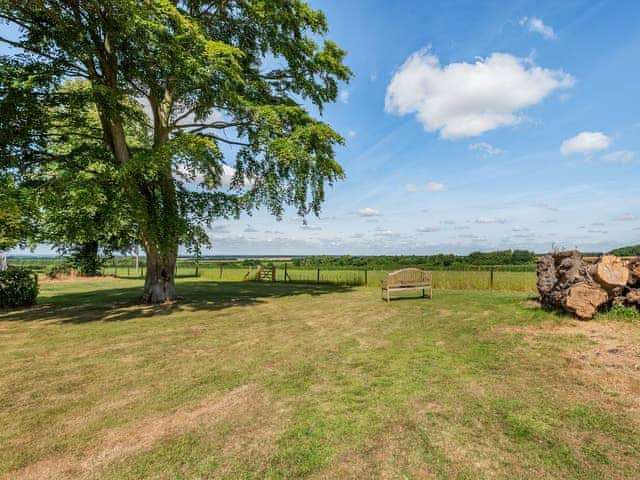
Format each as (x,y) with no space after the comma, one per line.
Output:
(407,279)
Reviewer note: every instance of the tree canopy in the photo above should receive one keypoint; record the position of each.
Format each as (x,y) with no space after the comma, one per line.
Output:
(222,82)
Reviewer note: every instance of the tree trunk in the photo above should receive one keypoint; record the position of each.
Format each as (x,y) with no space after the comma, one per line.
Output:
(159,284)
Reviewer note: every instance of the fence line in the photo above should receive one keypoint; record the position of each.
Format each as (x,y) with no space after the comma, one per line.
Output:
(479,277)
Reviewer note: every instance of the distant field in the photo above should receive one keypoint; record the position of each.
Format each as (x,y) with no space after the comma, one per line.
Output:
(442,279)
(517,278)
(279,381)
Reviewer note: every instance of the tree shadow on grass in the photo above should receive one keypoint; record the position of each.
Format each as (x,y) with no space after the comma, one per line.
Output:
(118,304)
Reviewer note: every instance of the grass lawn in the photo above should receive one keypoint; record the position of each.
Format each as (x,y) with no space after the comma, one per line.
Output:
(282,381)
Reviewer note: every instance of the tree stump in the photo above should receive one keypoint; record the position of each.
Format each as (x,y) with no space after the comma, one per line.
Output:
(611,272)
(584,300)
(567,282)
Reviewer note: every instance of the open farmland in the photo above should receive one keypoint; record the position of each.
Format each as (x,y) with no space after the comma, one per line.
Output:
(250,380)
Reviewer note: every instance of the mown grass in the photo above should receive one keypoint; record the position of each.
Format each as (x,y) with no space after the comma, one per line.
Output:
(249,380)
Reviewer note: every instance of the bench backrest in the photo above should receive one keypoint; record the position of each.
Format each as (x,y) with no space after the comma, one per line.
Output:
(408,277)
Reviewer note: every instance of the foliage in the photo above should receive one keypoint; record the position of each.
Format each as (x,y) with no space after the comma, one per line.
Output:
(622,312)
(630,251)
(58,269)
(15,225)
(231,84)
(18,288)
(502,258)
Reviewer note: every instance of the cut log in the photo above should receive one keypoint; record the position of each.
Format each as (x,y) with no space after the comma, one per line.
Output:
(584,300)
(634,271)
(633,297)
(611,272)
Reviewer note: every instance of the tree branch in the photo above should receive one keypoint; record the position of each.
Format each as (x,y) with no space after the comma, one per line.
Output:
(79,71)
(204,126)
(223,140)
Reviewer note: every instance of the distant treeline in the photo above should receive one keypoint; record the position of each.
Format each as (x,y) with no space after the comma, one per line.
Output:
(503,257)
(630,251)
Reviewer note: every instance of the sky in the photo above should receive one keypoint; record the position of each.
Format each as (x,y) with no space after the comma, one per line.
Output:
(474,125)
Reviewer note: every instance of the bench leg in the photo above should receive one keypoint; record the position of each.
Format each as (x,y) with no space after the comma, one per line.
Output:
(423,293)
(388,296)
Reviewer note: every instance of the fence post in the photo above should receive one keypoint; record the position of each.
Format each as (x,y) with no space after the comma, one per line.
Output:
(273,273)
(285,272)
(366,282)
(318,277)
(115,267)
(221,269)
(491,276)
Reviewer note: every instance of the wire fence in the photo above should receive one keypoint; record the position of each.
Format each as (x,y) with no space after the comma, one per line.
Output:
(468,277)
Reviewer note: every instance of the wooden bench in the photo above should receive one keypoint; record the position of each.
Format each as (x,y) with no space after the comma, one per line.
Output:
(407,279)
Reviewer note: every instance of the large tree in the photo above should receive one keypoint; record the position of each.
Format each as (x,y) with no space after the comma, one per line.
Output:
(225,82)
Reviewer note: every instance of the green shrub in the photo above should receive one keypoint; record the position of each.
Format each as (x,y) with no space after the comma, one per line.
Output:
(18,288)
(54,271)
(627,314)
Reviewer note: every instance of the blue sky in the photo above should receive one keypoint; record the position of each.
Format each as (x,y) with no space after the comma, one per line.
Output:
(475,125)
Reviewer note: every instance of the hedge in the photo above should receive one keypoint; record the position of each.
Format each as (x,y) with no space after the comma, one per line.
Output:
(18,288)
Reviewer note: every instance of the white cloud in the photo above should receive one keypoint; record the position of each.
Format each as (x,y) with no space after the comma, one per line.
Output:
(311,227)
(383,232)
(467,99)
(536,25)
(250,229)
(627,217)
(490,220)
(546,206)
(585,143)
(621,156)
(369,212)
(344,96)
(351,134)
(428,229)
(486,148)
(429,187)
(435,187)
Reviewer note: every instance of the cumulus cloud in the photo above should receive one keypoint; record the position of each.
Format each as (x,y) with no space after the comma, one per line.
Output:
(467,99)
(219,229)
(490,220)
(429,187)
(536,25)
(311,227)
(546,206)
(383,232)
(627,217)
(369,212)
(428,229)
(351,134)
(621,156)
(344,96)
(435,187)
(250,229)
(486,148)
(585,143)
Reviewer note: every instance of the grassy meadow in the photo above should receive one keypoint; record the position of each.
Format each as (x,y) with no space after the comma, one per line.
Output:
(250,380)
(476,279)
